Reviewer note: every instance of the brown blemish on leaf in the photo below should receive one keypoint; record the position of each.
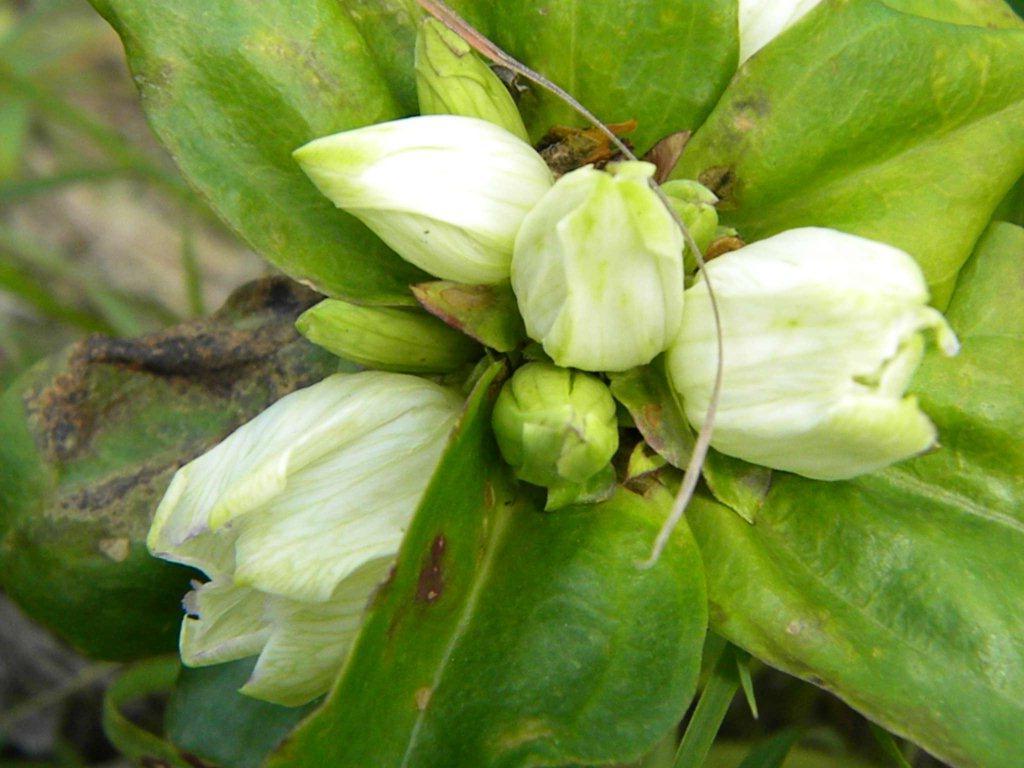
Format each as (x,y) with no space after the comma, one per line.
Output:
(488,494)
(720,179)
(117,549)
(722,246)
(116,418)
(431,581)
(528,730)
(565,149)
(749,112)
(665,154)
(422,697)
(651,414)
(219,357)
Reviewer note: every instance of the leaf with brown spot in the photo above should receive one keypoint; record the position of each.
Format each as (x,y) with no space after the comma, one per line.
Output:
(487,313)
(92,437)
(532,603)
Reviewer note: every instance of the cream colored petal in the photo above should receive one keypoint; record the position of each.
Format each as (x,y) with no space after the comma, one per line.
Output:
(309,642)
(253,471)
(224,622)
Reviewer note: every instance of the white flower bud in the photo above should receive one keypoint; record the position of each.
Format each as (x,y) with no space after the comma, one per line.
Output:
(447,193)
(822,332)
(295,517)
(598,270)
(763,20)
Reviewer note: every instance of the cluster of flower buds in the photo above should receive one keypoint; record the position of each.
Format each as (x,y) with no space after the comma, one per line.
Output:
(299,513)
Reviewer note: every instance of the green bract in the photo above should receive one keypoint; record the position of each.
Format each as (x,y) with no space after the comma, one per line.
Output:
(451,80)
(295,518)
(555,426)
(448,193)
(598,270)
(821,334)
(695,205)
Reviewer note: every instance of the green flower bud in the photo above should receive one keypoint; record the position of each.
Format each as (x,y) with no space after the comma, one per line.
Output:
(598,270)
(822,332)
(295,517)
(695,205)
(387,338)
(452,80)
(555,426)
(447,193)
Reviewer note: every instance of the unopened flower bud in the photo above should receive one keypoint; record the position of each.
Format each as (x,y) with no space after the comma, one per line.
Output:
(452,80)
(555,426)
(598,270)
(763,20)
(295,518)
(447,193)
(387,338)
(822,333)
(695,205)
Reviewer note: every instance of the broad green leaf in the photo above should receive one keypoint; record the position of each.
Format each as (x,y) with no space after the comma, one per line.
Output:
(875,122)
(661,62)
(91,438)
(903,591)
(509,637)
(147,678)
(207,717)
(981,13)
(232,88)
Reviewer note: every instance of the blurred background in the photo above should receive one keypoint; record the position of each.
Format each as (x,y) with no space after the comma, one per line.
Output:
(99,234)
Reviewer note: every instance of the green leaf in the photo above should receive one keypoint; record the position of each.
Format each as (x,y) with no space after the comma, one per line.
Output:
(147,678)
(487,313)
(231,89)
(647,396)
(982,13)
(903,591)
(874,122)
(889,747)
(661,62)
(739,485)
(91,438)
(730,754)
(773,752)
(710,711)
(14,125)
(509,637)
(208,717)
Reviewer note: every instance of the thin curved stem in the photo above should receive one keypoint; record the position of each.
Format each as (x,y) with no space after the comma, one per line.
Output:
(485,47)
